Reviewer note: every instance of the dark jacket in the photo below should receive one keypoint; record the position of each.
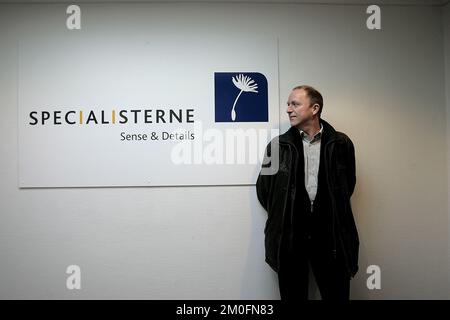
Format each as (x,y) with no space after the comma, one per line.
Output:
(278,193)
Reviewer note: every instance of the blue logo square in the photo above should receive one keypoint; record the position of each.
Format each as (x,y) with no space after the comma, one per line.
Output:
(240,97)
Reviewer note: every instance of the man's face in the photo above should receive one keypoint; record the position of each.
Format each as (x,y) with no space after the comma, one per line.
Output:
(299,108)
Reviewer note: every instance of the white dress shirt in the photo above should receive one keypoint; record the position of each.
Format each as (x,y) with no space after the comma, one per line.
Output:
(311,155)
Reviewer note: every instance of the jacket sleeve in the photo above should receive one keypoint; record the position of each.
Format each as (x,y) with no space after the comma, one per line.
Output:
(351,167)
(263,182)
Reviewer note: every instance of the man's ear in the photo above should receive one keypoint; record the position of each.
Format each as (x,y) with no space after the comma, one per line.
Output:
(316,108)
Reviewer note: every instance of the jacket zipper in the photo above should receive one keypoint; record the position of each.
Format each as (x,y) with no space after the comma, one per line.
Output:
(284,210)
(333,203)
(334,250)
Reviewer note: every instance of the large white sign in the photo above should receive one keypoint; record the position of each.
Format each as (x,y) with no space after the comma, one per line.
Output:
(166,111)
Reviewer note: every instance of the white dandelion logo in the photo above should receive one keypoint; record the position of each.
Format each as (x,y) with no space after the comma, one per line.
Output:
(245,84)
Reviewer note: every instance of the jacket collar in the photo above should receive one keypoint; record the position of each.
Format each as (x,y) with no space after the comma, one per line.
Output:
(290,136)
(316,137)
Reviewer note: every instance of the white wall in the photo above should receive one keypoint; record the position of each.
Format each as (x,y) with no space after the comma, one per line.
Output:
(383,88)
(446,24)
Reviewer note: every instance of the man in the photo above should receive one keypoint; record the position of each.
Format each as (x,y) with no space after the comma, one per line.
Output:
(310,222)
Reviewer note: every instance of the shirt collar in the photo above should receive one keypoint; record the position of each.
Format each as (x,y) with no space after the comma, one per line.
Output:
(316,137)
